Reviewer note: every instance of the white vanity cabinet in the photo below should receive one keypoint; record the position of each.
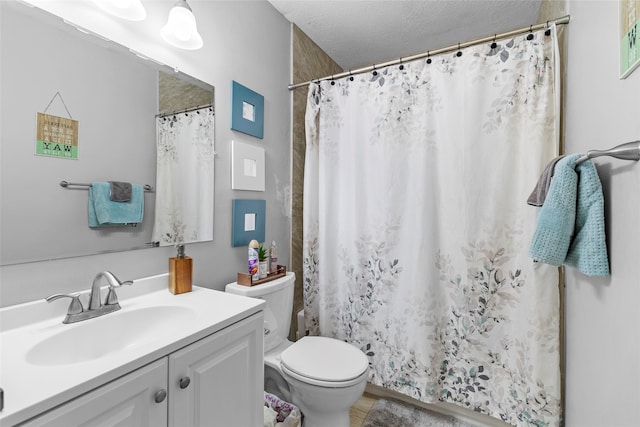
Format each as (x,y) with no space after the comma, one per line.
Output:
(127,401)
(222,376)
(215,381)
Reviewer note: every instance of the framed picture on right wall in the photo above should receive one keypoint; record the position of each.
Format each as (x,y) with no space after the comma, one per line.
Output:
(629,36)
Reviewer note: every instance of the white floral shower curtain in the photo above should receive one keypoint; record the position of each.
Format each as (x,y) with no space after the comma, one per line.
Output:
(416,226)
(184,177)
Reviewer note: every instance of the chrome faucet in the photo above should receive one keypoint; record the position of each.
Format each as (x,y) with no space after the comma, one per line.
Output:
(112,299)
(76,311)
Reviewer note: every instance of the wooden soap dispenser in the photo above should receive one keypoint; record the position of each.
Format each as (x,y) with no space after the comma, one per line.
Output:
(180,271)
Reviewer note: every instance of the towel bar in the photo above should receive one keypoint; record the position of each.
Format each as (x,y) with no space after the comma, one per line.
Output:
(66,184)
(627,151)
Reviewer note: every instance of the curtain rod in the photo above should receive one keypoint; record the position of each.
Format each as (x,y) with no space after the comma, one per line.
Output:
(186,110)
(563,20)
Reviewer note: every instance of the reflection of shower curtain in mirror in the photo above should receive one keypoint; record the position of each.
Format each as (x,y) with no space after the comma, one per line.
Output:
(416,226)
(184,178)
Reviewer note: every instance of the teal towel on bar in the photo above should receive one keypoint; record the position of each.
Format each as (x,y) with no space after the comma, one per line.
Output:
(103,212)
(570,227)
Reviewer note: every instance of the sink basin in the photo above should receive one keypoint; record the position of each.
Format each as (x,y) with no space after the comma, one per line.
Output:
(96,338)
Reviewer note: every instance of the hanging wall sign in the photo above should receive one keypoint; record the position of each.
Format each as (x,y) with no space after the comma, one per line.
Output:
(56,136)
(629,36)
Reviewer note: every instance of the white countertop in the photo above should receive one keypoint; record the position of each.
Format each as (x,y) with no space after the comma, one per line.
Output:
(32,388)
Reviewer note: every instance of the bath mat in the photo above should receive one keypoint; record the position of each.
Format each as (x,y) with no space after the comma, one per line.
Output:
(391,412)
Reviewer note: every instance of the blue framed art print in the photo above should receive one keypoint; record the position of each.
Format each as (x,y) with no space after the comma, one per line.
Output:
(248,217)
(247,110)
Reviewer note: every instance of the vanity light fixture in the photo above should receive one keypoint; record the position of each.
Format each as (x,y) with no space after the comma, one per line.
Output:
(181,30)
(131,10)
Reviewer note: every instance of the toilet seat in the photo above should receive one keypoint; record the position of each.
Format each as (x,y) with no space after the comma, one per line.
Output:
(323,361)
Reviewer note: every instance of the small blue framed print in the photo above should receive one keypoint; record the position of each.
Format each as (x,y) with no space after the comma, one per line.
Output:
(247,110)
(248,218)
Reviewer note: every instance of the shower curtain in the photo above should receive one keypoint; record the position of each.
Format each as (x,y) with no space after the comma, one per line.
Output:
(416,226)
(184,177)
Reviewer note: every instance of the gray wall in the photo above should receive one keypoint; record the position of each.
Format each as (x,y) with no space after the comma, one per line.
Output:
(246,41)
(602,316)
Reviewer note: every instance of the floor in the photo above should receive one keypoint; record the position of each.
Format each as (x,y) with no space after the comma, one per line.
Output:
(361,408)
(359,411)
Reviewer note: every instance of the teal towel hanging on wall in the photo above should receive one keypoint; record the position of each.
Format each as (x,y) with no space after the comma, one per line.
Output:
(571,228)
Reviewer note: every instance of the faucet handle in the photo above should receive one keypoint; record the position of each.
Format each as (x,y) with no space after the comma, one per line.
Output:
(112,298)
(75,307)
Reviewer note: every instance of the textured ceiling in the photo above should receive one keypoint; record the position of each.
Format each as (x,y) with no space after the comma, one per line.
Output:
(357,33)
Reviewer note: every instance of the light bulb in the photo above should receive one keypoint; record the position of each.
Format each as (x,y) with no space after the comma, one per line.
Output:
(181,29)
(183,23)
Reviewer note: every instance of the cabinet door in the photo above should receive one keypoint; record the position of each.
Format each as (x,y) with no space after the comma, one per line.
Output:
(218,381)
(127,401)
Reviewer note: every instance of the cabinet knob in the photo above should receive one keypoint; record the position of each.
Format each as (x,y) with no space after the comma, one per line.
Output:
(160,396)
(184,382)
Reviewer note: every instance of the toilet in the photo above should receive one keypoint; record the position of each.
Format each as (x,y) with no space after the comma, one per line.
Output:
(323,376)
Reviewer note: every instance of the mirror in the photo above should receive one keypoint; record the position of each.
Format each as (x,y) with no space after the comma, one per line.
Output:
(50,67)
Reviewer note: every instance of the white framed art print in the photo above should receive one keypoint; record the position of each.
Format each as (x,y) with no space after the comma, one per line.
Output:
(247,167)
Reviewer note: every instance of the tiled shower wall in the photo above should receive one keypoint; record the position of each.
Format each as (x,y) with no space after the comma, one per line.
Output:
(175,94)
(309,62)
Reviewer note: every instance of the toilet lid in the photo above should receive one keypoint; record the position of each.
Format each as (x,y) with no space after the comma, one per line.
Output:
(324,359)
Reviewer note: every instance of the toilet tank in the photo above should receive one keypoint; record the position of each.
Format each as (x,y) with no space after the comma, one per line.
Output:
(278,295)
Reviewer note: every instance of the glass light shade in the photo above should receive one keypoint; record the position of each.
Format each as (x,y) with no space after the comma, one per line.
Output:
(131,10)
(181,29)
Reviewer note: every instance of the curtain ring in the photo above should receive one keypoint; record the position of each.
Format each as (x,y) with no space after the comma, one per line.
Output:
(530,35)
(375,73)
(428,57)
(494,44)
(350,76)
(401,66)
(548,31)
(459,53)
(332,81)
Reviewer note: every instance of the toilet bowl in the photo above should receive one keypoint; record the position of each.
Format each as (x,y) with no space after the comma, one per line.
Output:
(323,376)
